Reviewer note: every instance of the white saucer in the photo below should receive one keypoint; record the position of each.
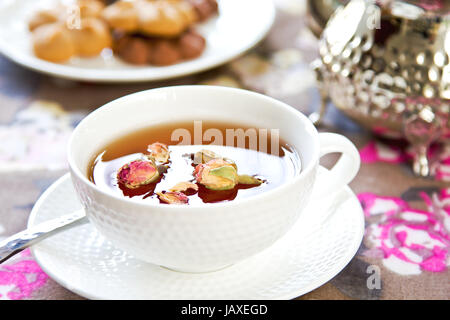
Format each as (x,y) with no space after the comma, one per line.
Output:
(318,247)
(239,26)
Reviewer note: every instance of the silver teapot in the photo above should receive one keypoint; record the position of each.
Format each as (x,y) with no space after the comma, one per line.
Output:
(386,65)
(319,12)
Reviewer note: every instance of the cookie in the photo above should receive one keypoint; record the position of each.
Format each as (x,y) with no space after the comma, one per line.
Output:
(165,52)
(92,37)
(52,42)
(121,15)
(45,16)
(141,50)
(162,18)
(90,8)
(133,49)
(204,8)
(191,45)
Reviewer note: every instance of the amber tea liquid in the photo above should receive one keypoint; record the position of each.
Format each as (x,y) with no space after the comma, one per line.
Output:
(274,168)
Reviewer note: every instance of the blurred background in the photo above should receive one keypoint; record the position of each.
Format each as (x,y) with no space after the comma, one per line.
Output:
(39,112)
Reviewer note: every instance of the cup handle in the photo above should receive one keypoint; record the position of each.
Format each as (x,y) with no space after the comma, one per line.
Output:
(347,166)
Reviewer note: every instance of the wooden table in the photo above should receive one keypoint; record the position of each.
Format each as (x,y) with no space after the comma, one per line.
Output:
(38,114)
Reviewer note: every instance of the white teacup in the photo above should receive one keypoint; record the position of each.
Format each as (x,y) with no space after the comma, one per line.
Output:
(200,238)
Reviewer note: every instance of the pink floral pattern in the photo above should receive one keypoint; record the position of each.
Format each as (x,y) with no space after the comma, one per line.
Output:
(21,278)
(408,240)
(376,151)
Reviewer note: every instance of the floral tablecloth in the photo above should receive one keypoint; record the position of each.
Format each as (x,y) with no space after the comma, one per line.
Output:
(405,253)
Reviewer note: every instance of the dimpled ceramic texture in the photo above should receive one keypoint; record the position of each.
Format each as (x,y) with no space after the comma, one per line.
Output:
(319,246)
(193,240)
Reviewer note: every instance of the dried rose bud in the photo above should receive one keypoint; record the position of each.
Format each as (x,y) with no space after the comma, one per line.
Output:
(183,187)
(137,173)
(173,197)
(216,174)
(204,156)
(159,152)
(246,179)
(162,168)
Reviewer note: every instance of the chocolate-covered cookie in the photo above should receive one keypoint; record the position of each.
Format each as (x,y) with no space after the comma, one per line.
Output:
(165,52)
(204,8)
(133,49)
(141,49)
(191,45)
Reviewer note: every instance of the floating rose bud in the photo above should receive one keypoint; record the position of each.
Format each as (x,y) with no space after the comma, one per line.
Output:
(216,174)
(162,168)
(246,179)
(159,152)
(137,173)
(173,197)
(184,186)
(204,156)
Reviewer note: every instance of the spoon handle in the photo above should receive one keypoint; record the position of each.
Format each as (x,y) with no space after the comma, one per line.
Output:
(28,237)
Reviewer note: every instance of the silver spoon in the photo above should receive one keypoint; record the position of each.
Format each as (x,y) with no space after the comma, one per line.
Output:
(28,237)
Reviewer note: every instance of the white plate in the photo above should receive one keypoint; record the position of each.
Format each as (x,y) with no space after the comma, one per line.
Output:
(318,247)
(240,25)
